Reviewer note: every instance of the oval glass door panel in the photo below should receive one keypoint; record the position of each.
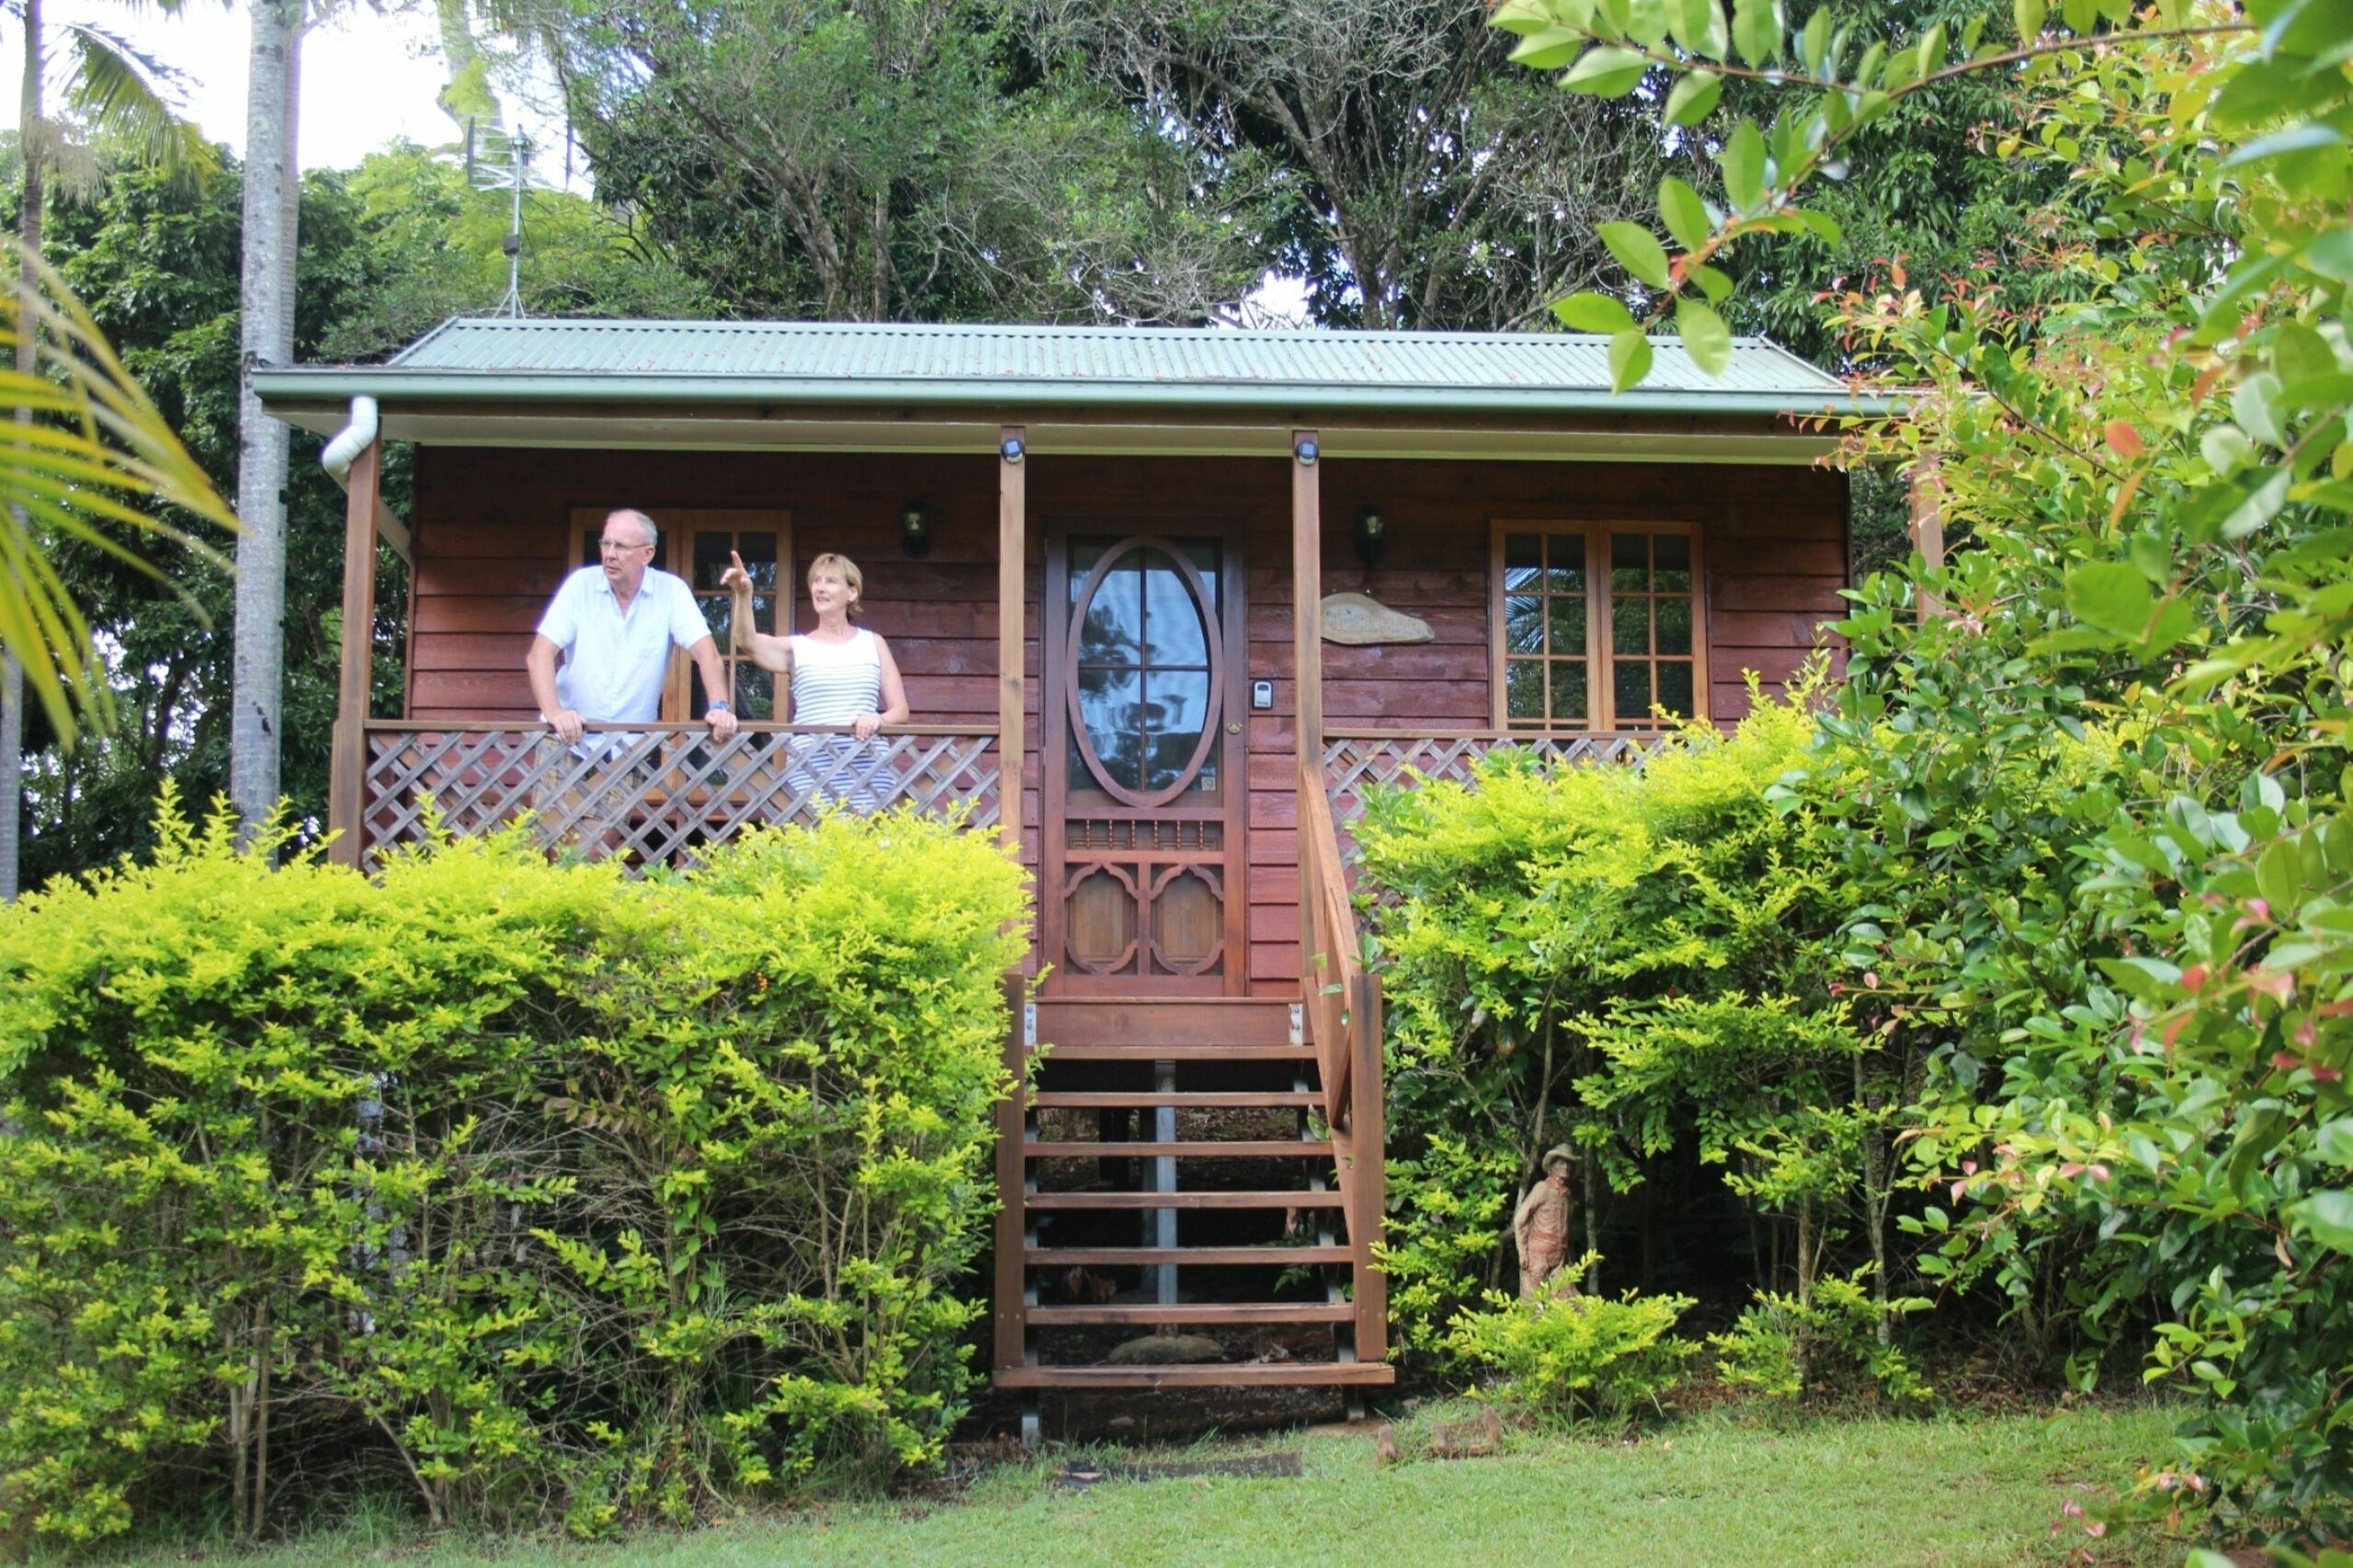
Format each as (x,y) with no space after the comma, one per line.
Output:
(1145,670)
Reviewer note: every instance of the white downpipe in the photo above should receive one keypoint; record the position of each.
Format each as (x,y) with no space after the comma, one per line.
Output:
(351,441)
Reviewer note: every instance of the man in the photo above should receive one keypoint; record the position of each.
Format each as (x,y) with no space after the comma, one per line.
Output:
(614,625)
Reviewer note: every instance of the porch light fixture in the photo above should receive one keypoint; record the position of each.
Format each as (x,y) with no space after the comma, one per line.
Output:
(1012,450)
(1306,452)
(1372,528)
(914,530)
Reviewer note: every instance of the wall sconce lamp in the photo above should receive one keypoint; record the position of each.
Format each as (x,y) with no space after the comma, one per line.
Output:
(1372,528)
(1307,452)
(1011,449)
(914,530)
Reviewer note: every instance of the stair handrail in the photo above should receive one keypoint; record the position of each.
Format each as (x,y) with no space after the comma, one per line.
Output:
(1330,967)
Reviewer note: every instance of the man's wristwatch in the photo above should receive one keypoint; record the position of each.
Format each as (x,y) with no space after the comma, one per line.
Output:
(711,708)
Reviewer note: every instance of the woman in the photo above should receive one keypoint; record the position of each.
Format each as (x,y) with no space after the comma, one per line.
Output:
(837,675)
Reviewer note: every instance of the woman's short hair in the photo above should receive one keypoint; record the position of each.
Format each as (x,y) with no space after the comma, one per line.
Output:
(846,570)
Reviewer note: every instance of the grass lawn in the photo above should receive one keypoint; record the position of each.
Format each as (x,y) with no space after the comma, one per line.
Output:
(1968,1490)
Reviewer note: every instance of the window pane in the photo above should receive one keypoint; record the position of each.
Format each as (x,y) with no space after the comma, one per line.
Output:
(1113,630)
(592,547)
(1524,690)
(718,614)
(1674,625)
(1111,702)
(1629,558)
(1630,626)
(710,560)
(1675,687)
(1568,624)
(1523,623)
(1567,573)
(1173,632)
(1672,552)
(755,691)
(1175,707)
(1568,691)
(1523,560)
(1632,690)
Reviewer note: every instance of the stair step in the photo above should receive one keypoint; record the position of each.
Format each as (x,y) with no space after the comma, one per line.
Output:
(1195,1052)
(1042,1200)
(1224,1148)
(1139,1100)
(1190,1022)
(1244,1374)
(1195,1313)
(1273,1257)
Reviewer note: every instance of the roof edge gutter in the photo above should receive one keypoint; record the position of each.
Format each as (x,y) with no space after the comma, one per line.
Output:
(1282,399)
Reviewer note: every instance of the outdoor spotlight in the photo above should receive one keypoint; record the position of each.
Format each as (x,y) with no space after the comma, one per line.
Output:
(914,530)
(1306,452)
(1012,448)
(1372,527)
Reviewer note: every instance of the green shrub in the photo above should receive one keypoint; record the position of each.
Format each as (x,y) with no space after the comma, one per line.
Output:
(1576,1355)
(591,1198)
(1789,1348)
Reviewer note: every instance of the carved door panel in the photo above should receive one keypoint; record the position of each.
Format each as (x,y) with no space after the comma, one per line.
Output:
(1143,864)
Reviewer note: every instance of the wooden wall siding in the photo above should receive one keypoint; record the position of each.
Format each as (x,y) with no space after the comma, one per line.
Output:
(491,546)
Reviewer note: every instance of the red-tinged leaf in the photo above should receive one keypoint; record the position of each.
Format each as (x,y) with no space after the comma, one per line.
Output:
(2259,907)
(2286,1061)
(2174,1026)
(1959,1190)
(2122,439)
(2275,984)
(2335,1009)
(2325,1075)
(2193,979)
(1968,1167)
(2096,1529)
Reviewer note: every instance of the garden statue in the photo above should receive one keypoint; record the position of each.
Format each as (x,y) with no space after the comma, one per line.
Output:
(1541,1227)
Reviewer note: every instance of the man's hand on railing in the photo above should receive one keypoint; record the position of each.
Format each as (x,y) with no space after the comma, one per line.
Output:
(568,725)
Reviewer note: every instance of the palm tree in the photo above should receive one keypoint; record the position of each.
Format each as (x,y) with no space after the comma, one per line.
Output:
(115,94)
(257,686)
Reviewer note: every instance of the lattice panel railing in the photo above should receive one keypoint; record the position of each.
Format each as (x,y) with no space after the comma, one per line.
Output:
(1353,764)
(661,794)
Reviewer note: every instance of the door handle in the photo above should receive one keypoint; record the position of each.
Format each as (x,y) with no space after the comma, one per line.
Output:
(1234,729)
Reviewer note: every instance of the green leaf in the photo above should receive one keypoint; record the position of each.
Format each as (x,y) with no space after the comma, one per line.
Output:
(1713,281)
(1694,97)
(2082,15)
(1756,29)
(1629,359)
(2333,1142)
(1705,337)
(1548,50)
(2303,138)
(2331,256)
(2028,15)
(1700,29)
(2112,596)
(2259,508)
(1813,44)
(1821,225)
(1593,313)
(2327,1218)
(1742,162)
(1684,215)
(1605,71)
(1647,22)
(1637,251)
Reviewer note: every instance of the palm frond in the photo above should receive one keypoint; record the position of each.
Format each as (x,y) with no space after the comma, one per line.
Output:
(126,95)
(90,460)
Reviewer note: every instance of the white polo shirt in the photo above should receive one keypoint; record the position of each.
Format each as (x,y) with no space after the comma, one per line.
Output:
(614,663)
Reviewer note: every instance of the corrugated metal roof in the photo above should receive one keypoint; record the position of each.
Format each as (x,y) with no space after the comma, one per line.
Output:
(1185,361)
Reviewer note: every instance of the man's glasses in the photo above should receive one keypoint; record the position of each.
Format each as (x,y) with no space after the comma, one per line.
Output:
(619,547)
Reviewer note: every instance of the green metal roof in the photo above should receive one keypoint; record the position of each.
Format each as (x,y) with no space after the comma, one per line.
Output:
(848,365)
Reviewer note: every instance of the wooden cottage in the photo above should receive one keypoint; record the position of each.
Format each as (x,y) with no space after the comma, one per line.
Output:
(1165,601)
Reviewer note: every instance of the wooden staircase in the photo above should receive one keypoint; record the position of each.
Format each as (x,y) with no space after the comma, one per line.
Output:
(1191,1166)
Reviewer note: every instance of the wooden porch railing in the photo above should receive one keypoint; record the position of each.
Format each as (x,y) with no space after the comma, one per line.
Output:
(659,792)
(1354,762)
(1342,1008)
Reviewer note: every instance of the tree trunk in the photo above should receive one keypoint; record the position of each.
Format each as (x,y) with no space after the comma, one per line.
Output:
(35,148)
(265,337)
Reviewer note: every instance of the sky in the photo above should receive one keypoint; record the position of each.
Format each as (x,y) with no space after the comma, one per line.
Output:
(366,78)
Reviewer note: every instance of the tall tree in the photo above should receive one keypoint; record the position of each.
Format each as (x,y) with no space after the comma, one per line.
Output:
(1425,187)
(899,159)
(266,337)
(117,94)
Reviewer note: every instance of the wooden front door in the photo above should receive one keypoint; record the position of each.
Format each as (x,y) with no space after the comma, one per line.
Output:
(1143,864)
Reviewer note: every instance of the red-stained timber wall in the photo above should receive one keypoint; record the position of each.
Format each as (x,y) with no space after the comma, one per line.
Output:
(493,538)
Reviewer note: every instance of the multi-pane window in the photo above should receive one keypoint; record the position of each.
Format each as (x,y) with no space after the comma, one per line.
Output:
(695,545)
(1597,626)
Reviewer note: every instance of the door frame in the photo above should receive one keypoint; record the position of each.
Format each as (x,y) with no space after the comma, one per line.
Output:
(1231,748)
